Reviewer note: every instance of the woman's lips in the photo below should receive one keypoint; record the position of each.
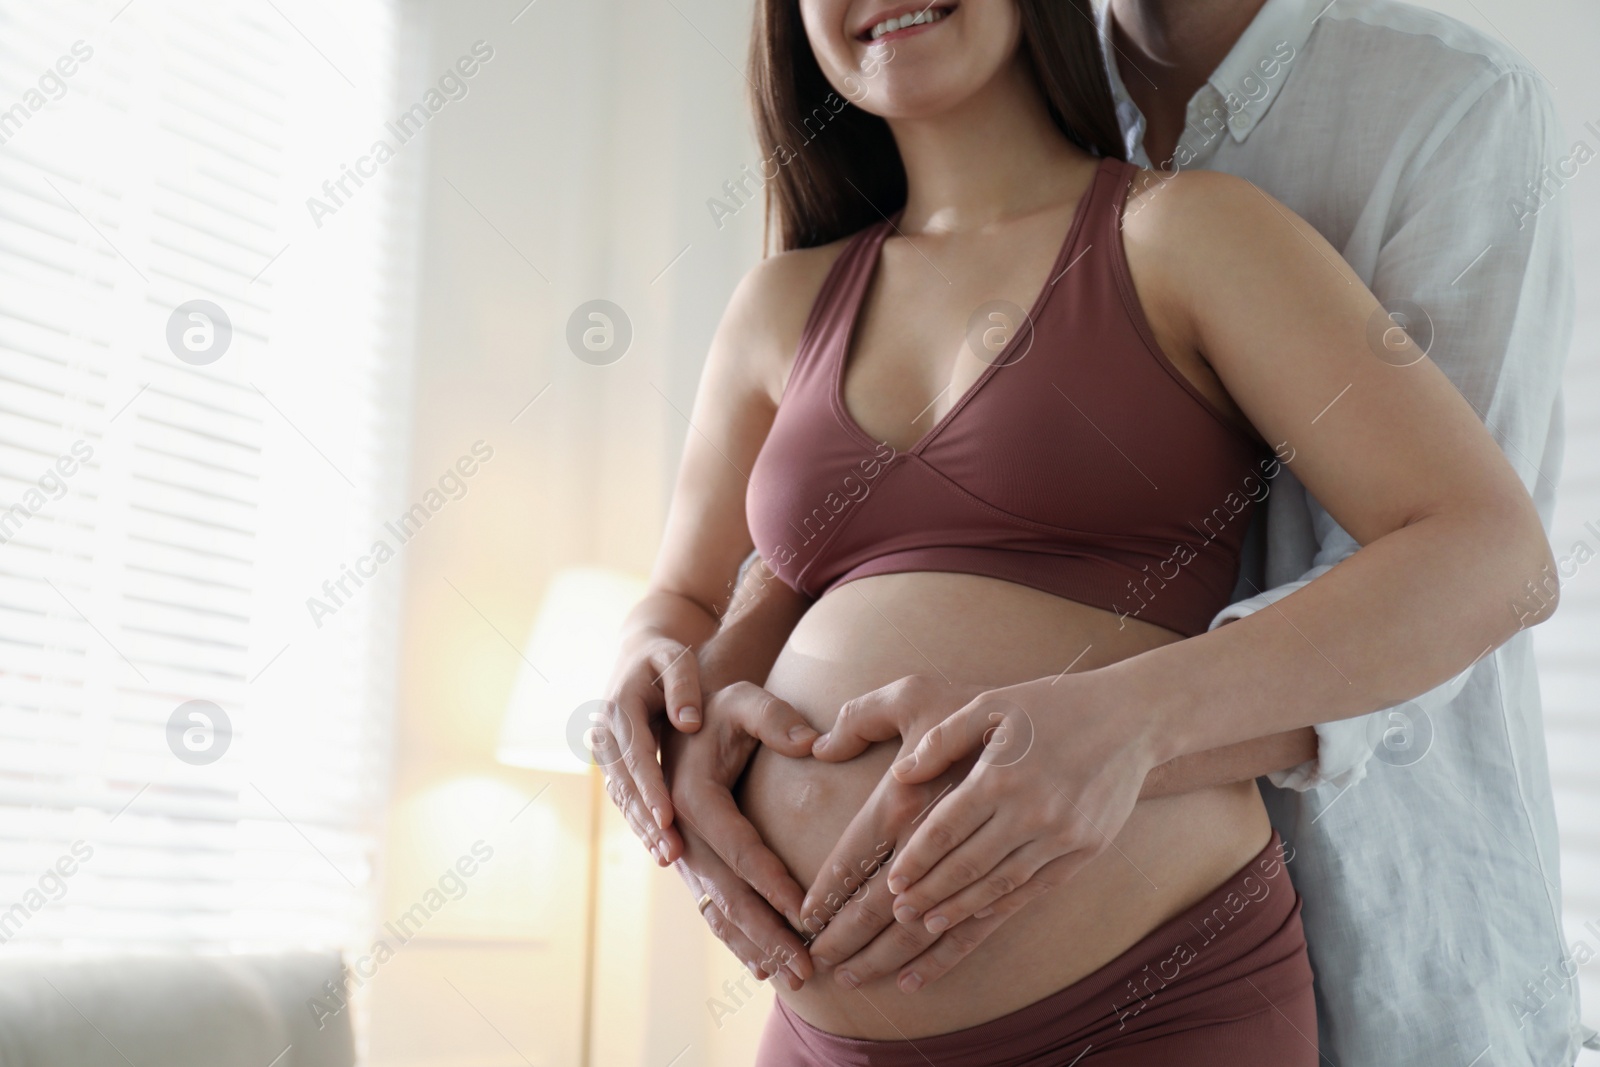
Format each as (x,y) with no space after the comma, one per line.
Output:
(941,12)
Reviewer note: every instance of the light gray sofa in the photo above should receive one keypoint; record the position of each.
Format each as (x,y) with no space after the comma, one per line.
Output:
(171,1011)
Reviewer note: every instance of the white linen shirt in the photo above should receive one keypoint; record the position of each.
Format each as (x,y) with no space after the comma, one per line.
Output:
(1424,839)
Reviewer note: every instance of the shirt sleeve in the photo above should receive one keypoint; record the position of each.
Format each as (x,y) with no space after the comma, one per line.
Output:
(1478,270)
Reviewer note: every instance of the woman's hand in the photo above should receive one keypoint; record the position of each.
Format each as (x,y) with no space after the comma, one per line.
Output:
(848,902)
(1033,834)
(1060,764)
(695,823)
(683,808)
(655,674)
(722,856)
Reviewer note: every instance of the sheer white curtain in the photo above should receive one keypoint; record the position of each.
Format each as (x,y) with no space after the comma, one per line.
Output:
(202,401)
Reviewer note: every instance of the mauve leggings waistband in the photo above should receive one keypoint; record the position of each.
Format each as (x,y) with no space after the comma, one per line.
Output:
(1233,955)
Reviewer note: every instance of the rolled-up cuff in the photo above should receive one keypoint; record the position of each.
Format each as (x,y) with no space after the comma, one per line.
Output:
(1343,748)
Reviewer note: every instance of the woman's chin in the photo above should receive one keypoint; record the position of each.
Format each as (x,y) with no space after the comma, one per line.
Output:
(915,99)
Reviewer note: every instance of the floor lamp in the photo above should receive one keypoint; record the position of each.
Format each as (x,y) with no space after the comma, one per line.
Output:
(564,670)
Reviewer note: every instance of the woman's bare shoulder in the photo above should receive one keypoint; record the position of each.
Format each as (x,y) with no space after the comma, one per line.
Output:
(768,310)
(1196,214)
(1178,205)
(1204,238)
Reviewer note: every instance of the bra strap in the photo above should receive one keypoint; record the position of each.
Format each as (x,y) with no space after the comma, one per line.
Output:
(838,300)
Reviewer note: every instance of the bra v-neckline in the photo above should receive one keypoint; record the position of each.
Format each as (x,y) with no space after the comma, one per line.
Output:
(873,246)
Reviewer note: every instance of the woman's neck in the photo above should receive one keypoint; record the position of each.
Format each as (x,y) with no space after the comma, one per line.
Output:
(995,157)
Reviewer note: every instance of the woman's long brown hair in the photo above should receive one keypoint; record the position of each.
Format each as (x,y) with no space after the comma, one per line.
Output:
(836,167)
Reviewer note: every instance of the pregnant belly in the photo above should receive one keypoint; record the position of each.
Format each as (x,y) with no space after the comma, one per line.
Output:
(867,633)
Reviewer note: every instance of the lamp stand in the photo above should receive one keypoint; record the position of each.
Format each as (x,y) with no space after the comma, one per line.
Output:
(591,914)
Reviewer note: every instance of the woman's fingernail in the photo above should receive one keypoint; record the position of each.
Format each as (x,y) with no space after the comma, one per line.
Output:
(848,979)
(822,961)
(661,818)
(757,972)
(905,913)
(689,714)
(936,923)
(801,732)
(911,983)
(906,765)
(897,883)
(983,913)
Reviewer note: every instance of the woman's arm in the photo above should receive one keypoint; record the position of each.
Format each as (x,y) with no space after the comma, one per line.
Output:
(1384,442)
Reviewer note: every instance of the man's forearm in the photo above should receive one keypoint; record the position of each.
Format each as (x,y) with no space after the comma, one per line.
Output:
(753,631)
(1235,763)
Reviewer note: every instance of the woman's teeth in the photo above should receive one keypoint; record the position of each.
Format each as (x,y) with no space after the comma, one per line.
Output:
(914,18)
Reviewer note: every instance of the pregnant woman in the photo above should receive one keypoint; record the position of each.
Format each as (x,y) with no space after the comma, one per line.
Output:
(1002,406)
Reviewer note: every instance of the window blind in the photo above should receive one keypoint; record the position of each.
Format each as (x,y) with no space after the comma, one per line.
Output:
(200,423)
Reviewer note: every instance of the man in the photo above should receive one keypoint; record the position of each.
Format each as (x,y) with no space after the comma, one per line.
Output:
(1409,142)
(1423,837)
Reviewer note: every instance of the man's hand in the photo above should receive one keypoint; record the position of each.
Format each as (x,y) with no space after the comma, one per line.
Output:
(722,855)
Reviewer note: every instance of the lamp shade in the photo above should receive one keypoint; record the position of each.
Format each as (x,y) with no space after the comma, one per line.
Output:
(571,650)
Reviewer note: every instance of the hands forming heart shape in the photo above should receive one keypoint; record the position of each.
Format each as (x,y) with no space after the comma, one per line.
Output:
(953,835)
(756,907)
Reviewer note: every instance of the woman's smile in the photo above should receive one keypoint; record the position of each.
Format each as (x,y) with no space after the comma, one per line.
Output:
(898,23)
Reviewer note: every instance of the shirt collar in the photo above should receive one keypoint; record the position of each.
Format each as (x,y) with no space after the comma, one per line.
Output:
(1238,93)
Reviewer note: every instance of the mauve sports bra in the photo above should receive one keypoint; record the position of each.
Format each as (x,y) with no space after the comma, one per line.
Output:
(1081,462)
